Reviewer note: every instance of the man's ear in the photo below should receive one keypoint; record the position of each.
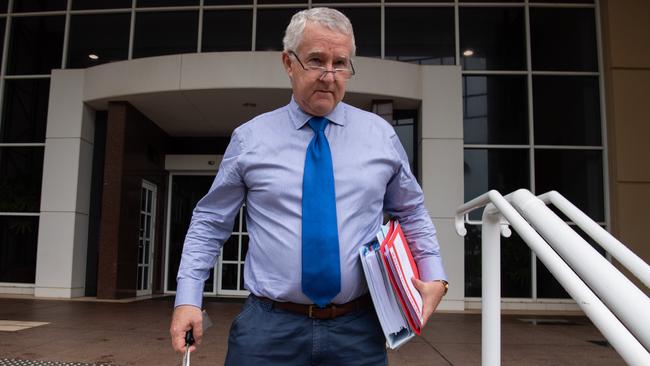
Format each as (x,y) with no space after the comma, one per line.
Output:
(288,65)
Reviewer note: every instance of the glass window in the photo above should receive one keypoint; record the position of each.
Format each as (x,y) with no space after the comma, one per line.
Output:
(505,170)
(563,39)
(516,278)
(152,3)
(21,170)
(495,109)
(4,6)
(227,2)
(547,285)
(2,35)
(405,124)
(98,39)
(367,29)
(420,35)
(101,4)
(18,243)
(271,24)
(36,44)
(492,38)
(567,110)
(565,1)
(282,2)
(21,6)
(227,30)
(576,174)
(344,1)
(24,115)
(165,33)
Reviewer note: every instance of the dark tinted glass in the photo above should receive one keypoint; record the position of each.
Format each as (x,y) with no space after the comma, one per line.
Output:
(576,174)
(104,37)
(495,109)
(516,279)
(40,5)
(165,33)
(186,190)
(227,2)
(344,1)
(405,124)
(2,34)
(151,3)
(230,250)
(36,44)
(227,30)
(24,114)
(229,276)
(420,35)
(563,39)
(492,39)
(547,285)
(282,2)
(100,4)
(567,110)
(271,24)
(367,30)
(4,6)
(21,169)
(565,1)
(18,242)
(505,170)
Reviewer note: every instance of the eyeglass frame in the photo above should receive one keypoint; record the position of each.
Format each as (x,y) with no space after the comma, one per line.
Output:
(323,69)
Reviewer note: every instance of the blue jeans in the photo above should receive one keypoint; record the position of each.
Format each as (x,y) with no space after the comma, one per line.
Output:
(265,336)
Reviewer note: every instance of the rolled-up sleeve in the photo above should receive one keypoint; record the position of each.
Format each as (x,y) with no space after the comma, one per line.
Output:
(211,225)
(404,200)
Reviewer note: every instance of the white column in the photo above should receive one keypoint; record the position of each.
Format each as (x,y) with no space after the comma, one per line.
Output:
(441,146)
(65,193)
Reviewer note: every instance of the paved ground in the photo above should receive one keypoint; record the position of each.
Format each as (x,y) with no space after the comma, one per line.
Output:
(136,333)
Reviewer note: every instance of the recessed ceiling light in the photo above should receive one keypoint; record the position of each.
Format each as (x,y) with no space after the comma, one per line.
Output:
(93,56)
(468,53)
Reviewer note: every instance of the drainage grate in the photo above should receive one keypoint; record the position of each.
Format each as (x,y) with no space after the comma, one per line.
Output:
(20,362)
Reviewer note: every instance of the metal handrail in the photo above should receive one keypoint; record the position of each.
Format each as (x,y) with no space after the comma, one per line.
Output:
(607,241)
(498,208)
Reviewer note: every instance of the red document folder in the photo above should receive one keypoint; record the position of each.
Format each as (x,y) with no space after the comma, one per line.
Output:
(399,264)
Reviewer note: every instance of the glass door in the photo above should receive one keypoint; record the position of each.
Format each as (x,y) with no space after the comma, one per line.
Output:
(146,237)
(227,278)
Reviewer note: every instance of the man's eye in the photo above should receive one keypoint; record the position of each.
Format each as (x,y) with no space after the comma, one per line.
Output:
(341,64)
(314,61)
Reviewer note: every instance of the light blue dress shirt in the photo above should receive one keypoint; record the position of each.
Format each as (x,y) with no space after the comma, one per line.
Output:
(263,166)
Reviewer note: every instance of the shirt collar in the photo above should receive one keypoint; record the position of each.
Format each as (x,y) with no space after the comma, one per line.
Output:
(300,118)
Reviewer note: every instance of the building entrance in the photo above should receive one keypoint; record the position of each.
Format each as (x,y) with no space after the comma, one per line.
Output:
(227,277)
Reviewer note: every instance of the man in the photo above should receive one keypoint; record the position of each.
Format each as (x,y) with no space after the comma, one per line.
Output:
(317,176)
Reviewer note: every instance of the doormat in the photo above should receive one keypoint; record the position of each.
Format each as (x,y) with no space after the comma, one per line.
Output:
(21,362)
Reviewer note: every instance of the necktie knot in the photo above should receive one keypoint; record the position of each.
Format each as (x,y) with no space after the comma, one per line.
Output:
(318,124)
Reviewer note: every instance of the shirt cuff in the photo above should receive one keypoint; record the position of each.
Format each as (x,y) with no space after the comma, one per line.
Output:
(431,269)
(189,292)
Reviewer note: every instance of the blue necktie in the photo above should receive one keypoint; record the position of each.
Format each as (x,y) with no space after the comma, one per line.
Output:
(321,272)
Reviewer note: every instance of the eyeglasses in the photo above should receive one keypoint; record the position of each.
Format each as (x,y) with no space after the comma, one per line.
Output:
(344,69)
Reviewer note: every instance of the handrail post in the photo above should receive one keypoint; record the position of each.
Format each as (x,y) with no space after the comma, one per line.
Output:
(491,290)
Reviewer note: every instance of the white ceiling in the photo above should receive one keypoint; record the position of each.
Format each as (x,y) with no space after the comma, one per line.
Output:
(216,112)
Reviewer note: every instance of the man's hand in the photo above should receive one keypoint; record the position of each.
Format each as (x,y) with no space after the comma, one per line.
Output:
(186,317)
(431,293)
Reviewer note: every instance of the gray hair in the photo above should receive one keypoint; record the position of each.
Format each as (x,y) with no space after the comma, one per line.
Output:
(330,18)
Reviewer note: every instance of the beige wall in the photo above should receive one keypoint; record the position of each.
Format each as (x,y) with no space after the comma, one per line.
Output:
(626,56)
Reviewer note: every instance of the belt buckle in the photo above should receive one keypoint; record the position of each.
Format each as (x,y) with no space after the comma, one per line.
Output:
(311,311)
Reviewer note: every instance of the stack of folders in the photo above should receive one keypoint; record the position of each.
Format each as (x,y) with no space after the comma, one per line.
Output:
(389,266)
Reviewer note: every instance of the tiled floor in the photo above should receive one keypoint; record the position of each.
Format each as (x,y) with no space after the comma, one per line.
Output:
(137,334)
